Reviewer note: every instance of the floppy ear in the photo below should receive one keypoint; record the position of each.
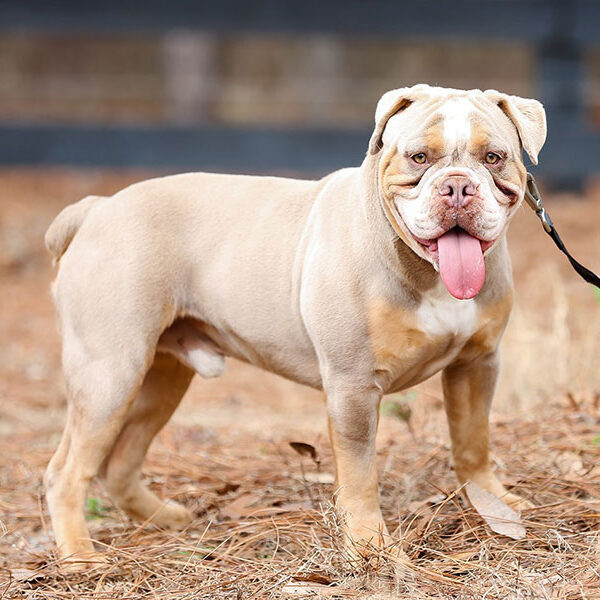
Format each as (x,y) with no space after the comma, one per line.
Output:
(389,104)
(528,116)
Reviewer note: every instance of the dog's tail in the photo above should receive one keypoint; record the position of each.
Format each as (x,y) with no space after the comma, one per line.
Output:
(64,227)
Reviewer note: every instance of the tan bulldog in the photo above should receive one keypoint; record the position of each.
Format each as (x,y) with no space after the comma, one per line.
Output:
(363,283)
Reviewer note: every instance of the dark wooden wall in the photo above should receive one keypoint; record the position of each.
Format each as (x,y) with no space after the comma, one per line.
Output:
(250,84)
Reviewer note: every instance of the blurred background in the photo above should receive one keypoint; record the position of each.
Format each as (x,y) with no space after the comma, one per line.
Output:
(278,85)
(96,95)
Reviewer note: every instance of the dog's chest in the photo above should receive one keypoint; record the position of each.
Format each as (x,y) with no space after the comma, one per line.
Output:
(410,346)
(439,314)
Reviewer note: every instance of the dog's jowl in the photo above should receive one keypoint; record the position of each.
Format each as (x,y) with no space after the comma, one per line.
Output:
(363,283)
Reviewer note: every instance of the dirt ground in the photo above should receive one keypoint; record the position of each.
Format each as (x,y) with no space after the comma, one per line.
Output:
(264,526)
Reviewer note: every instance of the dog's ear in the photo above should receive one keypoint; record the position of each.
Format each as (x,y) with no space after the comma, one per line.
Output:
(528,116)
(389,104)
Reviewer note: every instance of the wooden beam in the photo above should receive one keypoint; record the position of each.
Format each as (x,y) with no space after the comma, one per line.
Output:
(567,160)
(528,20)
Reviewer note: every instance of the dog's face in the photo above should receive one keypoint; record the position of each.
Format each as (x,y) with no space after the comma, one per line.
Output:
(451,172)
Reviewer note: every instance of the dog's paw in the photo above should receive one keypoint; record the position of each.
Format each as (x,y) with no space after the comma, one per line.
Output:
(361,544)
(370,539)
(369,549)
(172,516)
(517,502)
(81,562)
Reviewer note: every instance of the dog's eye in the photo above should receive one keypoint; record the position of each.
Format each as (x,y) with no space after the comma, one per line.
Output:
(420,158)
(491,158)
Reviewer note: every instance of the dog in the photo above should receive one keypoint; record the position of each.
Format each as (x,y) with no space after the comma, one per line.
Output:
(363,283)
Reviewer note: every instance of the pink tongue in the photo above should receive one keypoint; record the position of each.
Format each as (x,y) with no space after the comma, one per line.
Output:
(461,263)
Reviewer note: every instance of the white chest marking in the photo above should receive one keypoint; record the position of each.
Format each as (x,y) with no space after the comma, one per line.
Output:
(441,314)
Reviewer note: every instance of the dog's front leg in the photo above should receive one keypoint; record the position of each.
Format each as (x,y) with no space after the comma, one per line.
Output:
(468,391)
(353,418)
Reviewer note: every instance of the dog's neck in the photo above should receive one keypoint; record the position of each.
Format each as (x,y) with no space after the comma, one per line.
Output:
(402,263)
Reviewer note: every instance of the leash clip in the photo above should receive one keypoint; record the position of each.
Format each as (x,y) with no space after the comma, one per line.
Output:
(534,199)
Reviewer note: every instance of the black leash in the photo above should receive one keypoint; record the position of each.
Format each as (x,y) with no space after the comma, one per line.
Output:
(534,199)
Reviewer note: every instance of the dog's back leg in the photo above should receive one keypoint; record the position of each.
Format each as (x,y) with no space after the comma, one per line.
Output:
(106,355)
(100,393)
(164,386)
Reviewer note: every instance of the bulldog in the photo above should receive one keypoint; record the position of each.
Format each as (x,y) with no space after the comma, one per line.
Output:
(363,283)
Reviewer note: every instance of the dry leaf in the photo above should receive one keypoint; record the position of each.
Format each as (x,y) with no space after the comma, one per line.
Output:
(314,590)
(319,477)
(570,465)
(257,511)
(420,505)
(541,584)
(301,589)
(26,575)
(498,515)
(464,556)
(313,577)
(245,506)
(236,509)
(304,449)
(226,487)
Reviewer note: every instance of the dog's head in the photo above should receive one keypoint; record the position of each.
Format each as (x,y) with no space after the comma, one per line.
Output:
(451,172)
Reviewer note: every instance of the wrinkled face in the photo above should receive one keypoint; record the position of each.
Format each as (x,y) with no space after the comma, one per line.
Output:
(451,172)
(451,163)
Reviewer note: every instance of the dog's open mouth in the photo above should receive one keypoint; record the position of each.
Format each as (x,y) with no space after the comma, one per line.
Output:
(460,258)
